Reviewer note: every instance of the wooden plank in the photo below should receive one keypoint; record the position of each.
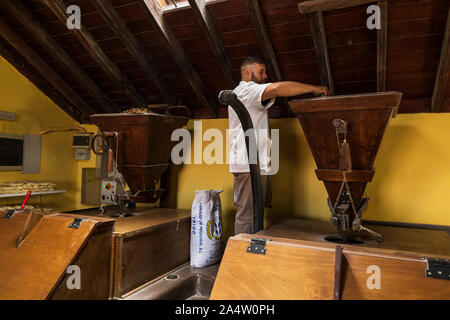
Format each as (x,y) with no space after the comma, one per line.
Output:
(442,72)
(347,102)
(45,70)
(338,271)
(145,221)
(326,5)
(320,43)
(150,254)
(401,274)
(382,35)
(58,7)
(17,10)
(95,272)
(17,62)
(167,36)
(257,19)
(212,34)
(352,176)
(374,277)
(118,25)
(287,271)
(33,270)
(421,242)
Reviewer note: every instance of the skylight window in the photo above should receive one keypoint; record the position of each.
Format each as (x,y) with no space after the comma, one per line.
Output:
(173,4)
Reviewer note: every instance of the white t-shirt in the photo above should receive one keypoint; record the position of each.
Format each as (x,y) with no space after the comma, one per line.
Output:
(250,94)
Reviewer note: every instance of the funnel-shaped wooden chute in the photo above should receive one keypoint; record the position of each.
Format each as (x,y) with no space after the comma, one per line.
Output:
(344,134)
(144,145)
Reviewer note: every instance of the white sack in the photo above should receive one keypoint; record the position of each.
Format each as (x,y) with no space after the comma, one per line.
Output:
(206,228)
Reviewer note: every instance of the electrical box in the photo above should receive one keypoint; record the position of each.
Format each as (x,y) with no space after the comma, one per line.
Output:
(109,191)
(82,145)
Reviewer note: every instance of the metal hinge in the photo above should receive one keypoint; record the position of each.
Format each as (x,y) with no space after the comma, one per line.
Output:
(257,246)
(76,223)
(438,268)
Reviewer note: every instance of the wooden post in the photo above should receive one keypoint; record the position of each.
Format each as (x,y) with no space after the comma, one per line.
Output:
(442,72)
(209,28)
(257,18)
(382,46)
(320,43)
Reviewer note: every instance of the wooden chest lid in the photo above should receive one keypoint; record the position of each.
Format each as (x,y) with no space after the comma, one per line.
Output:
(32,270)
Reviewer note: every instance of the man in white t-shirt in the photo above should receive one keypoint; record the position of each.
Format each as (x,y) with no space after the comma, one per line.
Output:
(257,96)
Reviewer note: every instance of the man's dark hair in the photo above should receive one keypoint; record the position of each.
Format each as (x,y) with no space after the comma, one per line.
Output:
(251,60)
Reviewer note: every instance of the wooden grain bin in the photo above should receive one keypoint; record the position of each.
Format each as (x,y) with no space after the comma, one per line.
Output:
(366,117)
(144,145)
(38,268)
(149,245)
(302,270)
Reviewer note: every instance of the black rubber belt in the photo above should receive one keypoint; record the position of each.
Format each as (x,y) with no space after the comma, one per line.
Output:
(227,97)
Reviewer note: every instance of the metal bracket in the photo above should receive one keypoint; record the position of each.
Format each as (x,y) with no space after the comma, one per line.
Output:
(76,223)
(9,214)
(257,246)
(438,268)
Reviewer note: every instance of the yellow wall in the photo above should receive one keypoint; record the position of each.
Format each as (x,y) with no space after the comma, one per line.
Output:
(411,183)
(34,113)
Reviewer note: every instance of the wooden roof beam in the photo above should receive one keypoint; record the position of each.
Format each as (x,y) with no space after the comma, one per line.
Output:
(119,27)
(326,5)
(320,43)
(382,46)
(58,7)
(17,62)
(43,68)
(440,83)
(257,18)
(167,36)
(16,9)
(212,34)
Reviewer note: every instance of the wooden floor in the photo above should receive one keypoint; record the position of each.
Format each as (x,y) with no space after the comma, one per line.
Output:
(423,241)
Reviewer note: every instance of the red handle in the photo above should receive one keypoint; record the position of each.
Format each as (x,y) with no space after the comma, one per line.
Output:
(26,199)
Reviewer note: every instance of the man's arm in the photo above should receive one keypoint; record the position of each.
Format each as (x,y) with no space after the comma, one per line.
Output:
(291,88)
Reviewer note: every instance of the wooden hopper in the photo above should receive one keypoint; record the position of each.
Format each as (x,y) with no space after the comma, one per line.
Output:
(360,120)
(144,147)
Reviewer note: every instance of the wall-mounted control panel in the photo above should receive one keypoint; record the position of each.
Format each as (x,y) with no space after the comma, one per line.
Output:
(109,191)
(82,144)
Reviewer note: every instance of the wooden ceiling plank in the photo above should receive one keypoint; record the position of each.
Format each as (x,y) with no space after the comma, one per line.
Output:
(326,5)
(167,36)
(16,9)
(212,35)
(17,62)
(45,70)
(320,43)
(382,36)
(119,27)
(58,7)
(258,22)
(442,72)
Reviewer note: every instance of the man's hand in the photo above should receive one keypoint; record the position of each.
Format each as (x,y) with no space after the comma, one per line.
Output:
(321,91)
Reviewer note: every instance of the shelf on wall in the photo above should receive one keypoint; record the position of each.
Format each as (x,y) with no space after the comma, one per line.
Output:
(37,193)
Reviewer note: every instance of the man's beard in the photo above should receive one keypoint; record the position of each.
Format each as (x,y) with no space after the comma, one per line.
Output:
(254,79)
